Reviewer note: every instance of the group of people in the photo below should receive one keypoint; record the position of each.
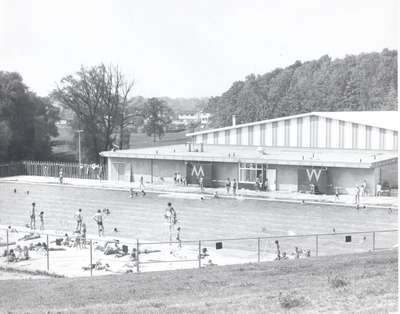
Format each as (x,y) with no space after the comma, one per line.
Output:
(231,185)
(179,179)
(360,191)
(32,217)
(171,217)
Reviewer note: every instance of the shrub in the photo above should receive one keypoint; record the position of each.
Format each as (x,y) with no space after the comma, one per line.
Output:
(290,300)
(338,282)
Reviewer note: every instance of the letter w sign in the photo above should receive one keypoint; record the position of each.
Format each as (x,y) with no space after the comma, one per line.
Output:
(198,172)
(313,173)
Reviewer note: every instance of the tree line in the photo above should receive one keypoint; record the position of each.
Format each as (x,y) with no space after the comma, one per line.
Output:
(367,81)
(99,98)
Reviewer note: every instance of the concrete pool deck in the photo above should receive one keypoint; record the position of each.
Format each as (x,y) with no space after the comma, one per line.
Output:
(344,200)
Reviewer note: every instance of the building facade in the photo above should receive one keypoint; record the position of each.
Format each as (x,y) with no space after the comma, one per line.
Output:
(321,152)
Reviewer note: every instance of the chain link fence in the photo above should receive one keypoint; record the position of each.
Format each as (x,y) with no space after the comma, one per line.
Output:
(75,255)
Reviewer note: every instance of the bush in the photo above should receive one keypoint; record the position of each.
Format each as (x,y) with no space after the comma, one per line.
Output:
(290,300)
(338,282)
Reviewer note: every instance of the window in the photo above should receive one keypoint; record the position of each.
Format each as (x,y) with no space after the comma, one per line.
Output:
(239,136)
(227,137)
(368,131)
(341,134)
(262,134)
(287,133)
(395,140)
(328,133)
(382,133)
(249,172)
(354,136)
(313,131)
(205,136)
(299,132)
(250,135)
(274,133)
(215,137)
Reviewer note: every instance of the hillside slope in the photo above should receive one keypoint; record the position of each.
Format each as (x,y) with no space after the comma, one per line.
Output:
(362,283)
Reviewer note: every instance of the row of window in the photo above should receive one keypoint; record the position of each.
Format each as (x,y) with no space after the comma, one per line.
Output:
(314,130)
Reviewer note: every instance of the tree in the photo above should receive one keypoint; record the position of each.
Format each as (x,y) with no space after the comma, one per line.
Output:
(99,98)
(27,122)
(367,81)
(157,116)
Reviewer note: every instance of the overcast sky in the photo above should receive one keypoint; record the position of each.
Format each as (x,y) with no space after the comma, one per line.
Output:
(185,48)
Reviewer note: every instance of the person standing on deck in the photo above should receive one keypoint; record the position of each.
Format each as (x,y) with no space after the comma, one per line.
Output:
(228,185)
(33,217)
(61,176)
(98,218)
(234,186)
(79,219)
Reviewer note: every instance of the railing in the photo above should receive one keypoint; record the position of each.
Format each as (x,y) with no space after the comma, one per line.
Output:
(51,253)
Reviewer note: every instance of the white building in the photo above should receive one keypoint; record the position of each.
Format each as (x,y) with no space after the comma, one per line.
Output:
(331,151)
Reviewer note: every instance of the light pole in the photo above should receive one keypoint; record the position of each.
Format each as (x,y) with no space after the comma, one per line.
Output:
(79,145)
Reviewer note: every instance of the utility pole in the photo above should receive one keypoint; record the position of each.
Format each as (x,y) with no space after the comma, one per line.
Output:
(79,146)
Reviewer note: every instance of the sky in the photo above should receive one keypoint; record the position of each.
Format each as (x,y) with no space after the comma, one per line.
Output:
(185,48)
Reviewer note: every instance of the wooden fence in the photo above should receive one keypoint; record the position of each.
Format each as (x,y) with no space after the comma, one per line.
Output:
(69,170)
(52,169)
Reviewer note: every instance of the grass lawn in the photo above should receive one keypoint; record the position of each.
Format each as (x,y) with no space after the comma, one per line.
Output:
(362,283)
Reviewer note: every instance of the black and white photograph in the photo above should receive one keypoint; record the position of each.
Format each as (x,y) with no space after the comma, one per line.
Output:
(187,156)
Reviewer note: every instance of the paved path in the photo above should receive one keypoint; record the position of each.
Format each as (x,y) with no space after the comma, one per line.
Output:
(344,200)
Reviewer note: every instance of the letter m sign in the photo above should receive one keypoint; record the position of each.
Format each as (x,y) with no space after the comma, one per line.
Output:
(199,172)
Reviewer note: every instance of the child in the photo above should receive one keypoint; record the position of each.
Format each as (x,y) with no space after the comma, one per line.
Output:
(179,237)
(41,216)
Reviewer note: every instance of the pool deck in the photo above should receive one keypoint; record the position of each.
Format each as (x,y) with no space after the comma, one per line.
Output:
(344,200)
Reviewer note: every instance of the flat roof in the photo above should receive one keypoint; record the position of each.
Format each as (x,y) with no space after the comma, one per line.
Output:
(269,155)
(380,119)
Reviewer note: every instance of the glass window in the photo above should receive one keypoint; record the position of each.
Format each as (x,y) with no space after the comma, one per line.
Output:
(341,134)
(205,136)
(227,137)
(328,133)
(250,134)
(239,136)
(274,133)
(299,132)
(354,137)
(215,137)
(382,133)
(368,130)
(262,134)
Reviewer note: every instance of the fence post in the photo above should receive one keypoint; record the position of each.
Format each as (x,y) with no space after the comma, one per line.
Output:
(48,257)
(8,252)
(199,253)
(91,258)
(373,241)
(258,249)
(137,258)
(316,245)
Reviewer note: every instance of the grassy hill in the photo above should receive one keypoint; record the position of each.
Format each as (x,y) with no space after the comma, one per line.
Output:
(362,283)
